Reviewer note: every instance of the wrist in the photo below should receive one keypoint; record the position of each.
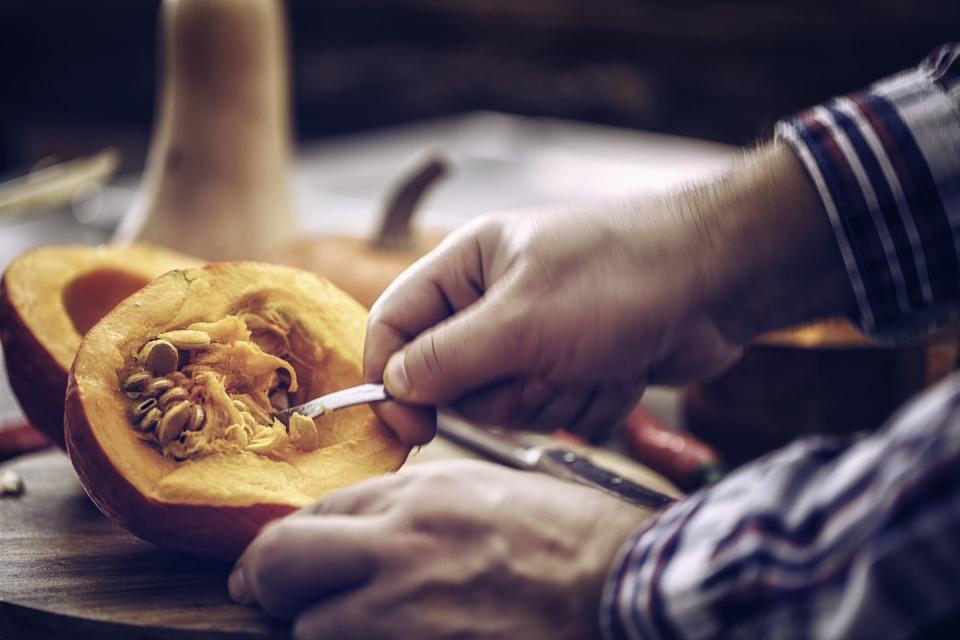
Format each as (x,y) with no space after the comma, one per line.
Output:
(772,258)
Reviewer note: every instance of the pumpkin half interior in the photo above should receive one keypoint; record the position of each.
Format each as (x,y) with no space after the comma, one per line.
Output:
(180,447)
(49,298)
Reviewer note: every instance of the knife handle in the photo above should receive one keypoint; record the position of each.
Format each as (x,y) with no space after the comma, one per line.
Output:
(571,466)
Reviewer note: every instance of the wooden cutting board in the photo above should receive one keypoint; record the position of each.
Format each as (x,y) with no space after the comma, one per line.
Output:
(68,572)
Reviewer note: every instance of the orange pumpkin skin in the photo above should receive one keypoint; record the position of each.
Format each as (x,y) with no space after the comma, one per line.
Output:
(213,505)
(229,529)
(48,297)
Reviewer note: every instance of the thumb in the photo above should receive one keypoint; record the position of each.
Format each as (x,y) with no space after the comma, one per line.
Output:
(468,350)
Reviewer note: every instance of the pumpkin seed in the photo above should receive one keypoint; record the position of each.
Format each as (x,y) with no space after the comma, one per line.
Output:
(303,432)
(179,378)
(136,381)
(187,339)
(11,484)
(146,436)
(141,408)
(176,394)
(159,356)
(173,422)
(158,386)
(197,416)
(150,419)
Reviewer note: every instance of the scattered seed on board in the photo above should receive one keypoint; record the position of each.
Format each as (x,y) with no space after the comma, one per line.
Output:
(11,484)
(173,422)
(176,394)
(150,419)
(187,339)
(159,356)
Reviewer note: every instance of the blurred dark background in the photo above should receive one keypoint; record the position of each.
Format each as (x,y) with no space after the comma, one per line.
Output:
(80,75)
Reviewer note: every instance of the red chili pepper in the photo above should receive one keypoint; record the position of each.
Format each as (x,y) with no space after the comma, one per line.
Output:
(572,438)
(682,458)
(18,437)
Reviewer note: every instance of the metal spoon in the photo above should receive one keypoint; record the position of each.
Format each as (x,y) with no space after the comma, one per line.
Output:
(342,399)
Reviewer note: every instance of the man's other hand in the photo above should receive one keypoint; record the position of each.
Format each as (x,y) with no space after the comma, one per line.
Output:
(443,550)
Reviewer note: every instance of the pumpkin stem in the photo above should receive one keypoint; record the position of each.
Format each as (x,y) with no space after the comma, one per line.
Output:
(394,231)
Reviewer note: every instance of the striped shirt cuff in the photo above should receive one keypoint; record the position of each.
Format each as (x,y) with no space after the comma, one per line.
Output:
(823,539)
(886,163)
(633,604)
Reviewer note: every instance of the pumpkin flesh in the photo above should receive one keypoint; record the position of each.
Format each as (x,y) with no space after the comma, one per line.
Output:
(211,496)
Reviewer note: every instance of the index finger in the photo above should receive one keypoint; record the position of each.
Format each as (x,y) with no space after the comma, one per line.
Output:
(446,280)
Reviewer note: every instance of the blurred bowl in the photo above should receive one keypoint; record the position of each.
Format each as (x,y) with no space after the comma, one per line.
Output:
(824,377)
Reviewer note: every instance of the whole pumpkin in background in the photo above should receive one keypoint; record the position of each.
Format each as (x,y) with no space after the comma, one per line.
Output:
(824,377)
(217,183)
(364,267)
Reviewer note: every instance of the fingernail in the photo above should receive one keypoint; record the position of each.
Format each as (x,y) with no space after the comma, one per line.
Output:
(237,587)
(395,376)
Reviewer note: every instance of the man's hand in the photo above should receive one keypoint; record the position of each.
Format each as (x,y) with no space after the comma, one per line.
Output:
(443,550)
(561,318)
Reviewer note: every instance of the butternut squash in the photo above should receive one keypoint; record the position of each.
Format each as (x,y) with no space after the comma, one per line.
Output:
(216,183)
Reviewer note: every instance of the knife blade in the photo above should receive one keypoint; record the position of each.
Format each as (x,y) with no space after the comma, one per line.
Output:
(500,447)
(554,461)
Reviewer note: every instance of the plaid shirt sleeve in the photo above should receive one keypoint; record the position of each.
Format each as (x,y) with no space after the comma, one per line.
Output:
(823,539)
(886,163)
(828,538)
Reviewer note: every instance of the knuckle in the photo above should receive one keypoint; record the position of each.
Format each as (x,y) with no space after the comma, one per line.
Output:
(425,369)
(432,357)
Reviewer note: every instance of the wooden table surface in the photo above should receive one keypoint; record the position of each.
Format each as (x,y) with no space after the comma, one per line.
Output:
(68,572)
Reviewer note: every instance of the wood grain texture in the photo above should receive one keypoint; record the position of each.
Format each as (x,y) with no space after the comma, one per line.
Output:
(68,572)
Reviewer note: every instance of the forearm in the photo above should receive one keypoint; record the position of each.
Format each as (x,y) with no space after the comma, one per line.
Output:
(770,259)
(821,539)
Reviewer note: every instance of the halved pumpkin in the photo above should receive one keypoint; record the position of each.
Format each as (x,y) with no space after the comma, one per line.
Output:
(50,297)
(244,333)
